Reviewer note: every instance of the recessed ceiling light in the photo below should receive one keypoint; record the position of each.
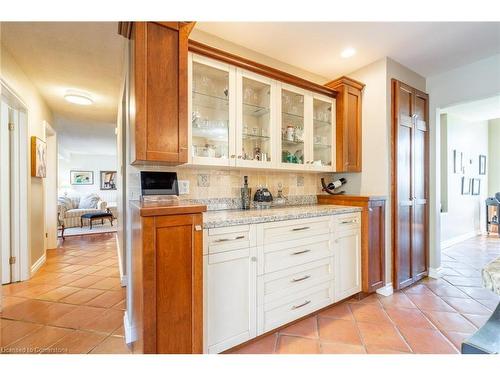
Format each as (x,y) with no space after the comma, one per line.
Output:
(79,98)
(348,52)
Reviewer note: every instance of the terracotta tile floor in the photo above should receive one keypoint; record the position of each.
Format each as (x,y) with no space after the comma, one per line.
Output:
(74,303)
(432,317)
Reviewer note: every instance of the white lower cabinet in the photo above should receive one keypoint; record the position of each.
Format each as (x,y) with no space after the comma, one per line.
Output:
(230,299)
(262,276)
(347,248)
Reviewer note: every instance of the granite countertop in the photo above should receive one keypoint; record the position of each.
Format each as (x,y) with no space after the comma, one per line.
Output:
(225,218)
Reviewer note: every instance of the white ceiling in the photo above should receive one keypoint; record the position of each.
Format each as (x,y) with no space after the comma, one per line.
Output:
(427,48)
(478,110)
(57,56)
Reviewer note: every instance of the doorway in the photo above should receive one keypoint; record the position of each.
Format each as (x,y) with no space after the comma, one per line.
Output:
(51,184)
(13,188)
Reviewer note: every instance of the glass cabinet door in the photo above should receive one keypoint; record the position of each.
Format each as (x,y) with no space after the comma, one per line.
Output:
(292,127)
(322,133)
(254,121)
(210,113)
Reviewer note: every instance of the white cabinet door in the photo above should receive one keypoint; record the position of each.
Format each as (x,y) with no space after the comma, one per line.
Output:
(255,120)
(212,112)
(322,142)
(230,299)
(347,249)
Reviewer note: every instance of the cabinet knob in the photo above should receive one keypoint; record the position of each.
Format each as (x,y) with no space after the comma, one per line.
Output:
(233,156)
(239,156)
(253,259)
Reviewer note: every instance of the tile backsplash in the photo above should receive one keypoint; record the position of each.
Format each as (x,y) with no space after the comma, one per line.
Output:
(205,183)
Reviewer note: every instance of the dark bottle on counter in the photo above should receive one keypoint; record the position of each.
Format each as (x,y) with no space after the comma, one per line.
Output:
(246,193)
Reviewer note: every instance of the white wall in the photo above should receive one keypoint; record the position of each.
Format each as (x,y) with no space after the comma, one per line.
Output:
(38,112)
(474,81)
(465,216)
(493,167)
(87,162)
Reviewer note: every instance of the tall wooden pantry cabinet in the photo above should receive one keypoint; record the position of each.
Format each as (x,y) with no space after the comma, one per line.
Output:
(410,184)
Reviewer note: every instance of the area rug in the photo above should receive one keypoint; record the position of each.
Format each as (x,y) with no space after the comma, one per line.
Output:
(97,227)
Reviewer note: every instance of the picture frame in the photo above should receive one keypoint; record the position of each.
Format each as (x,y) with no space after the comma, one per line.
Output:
(476,186)
(107,180)
(482,164)
(466,182)
(458,162)
(81,177)
(38,158)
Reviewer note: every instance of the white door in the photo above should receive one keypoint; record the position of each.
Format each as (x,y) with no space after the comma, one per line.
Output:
(212,109)
(347,250)
(255,120)
(230,298)
(5,201)
(322,142)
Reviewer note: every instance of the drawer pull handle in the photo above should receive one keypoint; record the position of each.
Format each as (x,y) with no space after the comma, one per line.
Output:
(301,228)
(301,252)
(349,221)
(230,239)
(301,305)
(301,279)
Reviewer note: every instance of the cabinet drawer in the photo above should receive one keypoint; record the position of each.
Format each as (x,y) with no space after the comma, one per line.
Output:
(285,310)
(287,254)
(230,238)
(294,229)
(347,221)
(276,285)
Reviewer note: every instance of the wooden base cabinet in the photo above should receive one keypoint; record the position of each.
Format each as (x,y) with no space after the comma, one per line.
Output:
(166,279)
(372,236)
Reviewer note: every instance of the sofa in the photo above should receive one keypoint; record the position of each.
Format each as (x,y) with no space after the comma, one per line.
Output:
(70,209)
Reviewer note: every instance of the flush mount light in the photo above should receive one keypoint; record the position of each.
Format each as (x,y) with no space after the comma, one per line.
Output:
(348,52)
(79,98)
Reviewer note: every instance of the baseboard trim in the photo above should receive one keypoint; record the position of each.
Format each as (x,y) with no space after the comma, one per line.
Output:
(130,334)
(458,239)
(40,262)
(386,290)
(435,273)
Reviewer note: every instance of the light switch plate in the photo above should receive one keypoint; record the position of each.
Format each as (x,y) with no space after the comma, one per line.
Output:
(183,186)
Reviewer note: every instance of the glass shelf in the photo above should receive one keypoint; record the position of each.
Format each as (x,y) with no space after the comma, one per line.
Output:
(255,136)
(254,110)
(320,124)
(291,143)
(293,115)
(320,145)
(210,101)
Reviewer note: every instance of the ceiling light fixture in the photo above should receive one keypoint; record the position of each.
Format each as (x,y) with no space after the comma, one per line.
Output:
(348,52)
(79,98)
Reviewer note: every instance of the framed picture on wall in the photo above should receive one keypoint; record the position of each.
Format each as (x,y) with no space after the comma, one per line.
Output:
(81,177)
(458,166)
(108,180)
(466,182)
(482,164)
(476,186)
(38,158)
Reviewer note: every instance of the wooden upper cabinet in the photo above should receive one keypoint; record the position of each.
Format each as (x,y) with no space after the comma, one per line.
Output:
(158,96)
(348,124)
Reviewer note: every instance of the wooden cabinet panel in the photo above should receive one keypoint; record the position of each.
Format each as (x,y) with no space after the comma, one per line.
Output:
(410,189)
(372,236)
(167,282)
(348,124)
(158,92)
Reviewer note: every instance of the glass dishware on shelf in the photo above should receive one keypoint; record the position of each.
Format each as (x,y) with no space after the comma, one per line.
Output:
(292,127)
(210,111)
(322,133)
(256,105)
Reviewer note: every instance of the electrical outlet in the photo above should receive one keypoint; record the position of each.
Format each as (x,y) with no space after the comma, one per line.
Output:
(183,186)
